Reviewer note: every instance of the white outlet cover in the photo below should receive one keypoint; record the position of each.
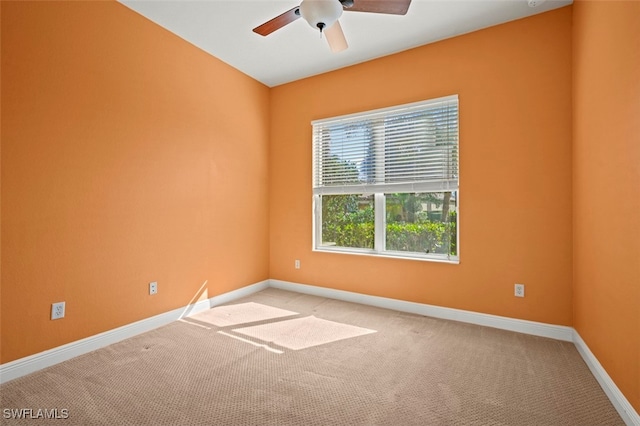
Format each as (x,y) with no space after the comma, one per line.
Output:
(57,310)
(519,290)
(153,288)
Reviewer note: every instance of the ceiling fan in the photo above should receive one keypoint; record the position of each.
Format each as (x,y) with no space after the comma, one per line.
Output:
(324,14)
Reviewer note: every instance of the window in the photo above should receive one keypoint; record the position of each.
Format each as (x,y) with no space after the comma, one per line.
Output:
(385,182)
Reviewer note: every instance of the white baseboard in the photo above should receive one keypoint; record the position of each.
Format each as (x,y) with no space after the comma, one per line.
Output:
(557,332)
(30,364)
(619,401)
(23,366)
(568,334)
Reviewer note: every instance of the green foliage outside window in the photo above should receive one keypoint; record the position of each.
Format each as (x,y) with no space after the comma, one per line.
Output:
(348,221)
(423,237)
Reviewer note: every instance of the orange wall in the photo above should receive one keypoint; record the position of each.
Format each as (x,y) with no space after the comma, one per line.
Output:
(514,85)
(128,156)
(607,186)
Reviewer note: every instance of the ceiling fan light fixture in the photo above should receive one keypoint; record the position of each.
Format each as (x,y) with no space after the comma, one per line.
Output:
(321,13)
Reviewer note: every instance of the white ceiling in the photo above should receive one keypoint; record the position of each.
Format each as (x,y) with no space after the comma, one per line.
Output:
(223,28)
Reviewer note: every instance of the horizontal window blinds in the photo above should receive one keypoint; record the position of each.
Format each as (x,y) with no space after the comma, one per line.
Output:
(408,148)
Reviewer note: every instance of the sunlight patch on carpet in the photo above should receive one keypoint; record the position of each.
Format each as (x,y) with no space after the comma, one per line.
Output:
(241,313)
(186,321)
(267,347)
(301,333)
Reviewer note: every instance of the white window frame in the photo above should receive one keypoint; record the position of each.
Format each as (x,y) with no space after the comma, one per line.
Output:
(380,203)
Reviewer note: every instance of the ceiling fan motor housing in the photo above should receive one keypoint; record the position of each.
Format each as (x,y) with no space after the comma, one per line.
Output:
(321,14)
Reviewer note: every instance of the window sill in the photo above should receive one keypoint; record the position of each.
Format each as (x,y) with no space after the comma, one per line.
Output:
(390,255)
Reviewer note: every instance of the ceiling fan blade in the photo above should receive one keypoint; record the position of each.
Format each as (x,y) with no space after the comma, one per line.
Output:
(278,22)
(335,38)
(392,7)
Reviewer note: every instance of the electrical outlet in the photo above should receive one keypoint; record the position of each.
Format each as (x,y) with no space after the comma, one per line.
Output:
(57,310)
(297,264)
(153,288)
(519,290)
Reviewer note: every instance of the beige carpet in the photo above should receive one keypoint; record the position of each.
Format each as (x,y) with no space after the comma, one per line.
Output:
(240,313)
(365,366)
(302,333)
